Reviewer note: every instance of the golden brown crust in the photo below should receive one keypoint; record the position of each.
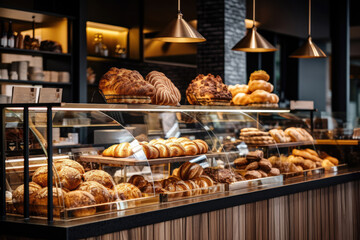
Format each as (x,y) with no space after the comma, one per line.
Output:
(130,191)
(164,150)
(190,170)
(138,181)
(165,91)
(205,146)
(71,163)
(18,196)
(207,88)
(101,194)
(125,82)
(260,85)
(241,99)
(176,149)
(259,75)
(123,150)
(77,199)
(238,88)
(40,201)
(190,148)
(99,176)
(109,152)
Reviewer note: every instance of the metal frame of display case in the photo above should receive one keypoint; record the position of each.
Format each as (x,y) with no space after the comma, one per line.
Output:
(25,108)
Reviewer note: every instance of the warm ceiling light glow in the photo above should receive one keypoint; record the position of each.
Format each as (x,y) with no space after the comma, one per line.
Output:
(103,26)
(250,23)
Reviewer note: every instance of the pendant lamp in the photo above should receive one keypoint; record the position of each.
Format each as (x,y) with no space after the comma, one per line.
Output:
(309,48)
(179,31)
(253,41)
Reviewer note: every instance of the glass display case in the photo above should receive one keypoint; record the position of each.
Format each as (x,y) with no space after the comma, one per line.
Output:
(108,158)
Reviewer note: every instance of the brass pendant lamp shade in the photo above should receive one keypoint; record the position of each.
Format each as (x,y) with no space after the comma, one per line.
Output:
(309,48)
(179,31)
(253,41)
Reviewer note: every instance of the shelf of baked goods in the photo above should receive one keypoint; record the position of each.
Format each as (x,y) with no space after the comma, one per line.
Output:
(350,142)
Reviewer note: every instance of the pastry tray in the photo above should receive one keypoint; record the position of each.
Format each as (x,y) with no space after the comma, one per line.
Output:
(314,171)
(134,162)
(171,196)
(115,99)
(273,180)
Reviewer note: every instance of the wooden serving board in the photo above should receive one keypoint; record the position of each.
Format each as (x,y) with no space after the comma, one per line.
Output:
(135,162)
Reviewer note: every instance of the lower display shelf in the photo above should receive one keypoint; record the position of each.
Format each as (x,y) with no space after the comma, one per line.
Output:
(267,181)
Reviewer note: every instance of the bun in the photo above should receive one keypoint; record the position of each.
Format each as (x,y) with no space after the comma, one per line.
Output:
(260,96)
(99,176)
(125,82)
(101,194)
(190,170)
(165,91)
(130,191)
(138,181)
(18,196)
(260,85)
(40,201)
(259,75)
(241,99)
(71,163)
(77,199)
(208,90)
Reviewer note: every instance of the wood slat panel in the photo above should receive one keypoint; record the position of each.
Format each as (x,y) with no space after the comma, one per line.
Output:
(327,213)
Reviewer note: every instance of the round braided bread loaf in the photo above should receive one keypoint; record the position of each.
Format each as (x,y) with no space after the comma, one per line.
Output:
(165,91)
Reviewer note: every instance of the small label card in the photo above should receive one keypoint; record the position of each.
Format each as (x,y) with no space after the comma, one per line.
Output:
(50,95)
(24,95)
(301,105)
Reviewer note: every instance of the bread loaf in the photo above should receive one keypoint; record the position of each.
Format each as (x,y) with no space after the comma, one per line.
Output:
(101,177)
(138,181)
(165,91)
(80,199)
(101,194)
(130,191)
(18,197)
(40,201)
(71,163)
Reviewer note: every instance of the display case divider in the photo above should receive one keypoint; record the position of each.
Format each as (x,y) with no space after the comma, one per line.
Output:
(50,170)
(2,179)
(26,161)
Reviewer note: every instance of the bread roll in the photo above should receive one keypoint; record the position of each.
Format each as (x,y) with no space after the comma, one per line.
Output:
(18,197)
(40,201)
(259,75)
(78,199)
(101,194)
(101,177)
(260,85)
(190,170)
(130,191)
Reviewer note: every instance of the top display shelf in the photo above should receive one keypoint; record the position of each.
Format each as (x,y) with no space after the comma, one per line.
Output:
(158,108)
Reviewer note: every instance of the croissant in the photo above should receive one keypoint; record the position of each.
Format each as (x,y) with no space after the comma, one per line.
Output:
(185,189)
(138,181)
(193,186)
(164,150)
(109,152)
(176,149)
(190,170)
(202,145)
(190,148)
(123,150)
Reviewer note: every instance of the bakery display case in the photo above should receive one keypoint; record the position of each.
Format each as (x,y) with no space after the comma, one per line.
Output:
(109,158)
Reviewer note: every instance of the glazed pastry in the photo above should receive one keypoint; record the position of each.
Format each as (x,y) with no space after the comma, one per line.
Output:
(109,152)
(155,153)
(176,149)
(241,99)
(78,199)
(130,191)
(138,181)
(123,150)
(99,176)
(176,172)
(18,197)
(238,88)
(127,83)
(259,75)
(190,170)
(165,91)
(205,147)
(164,150)
(305,134)
(181,139)
(190,148)
(208,90)
(260,85)
(175,189)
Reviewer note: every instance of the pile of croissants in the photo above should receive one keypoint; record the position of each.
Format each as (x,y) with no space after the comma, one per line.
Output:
(187,180)
(159,148)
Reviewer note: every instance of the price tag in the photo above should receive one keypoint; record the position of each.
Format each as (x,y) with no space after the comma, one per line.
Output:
(302,105)
(50,95)
(24,95)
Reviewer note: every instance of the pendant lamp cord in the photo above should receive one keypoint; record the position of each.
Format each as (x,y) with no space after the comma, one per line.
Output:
(253,13)
(309,30)
(179,11)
